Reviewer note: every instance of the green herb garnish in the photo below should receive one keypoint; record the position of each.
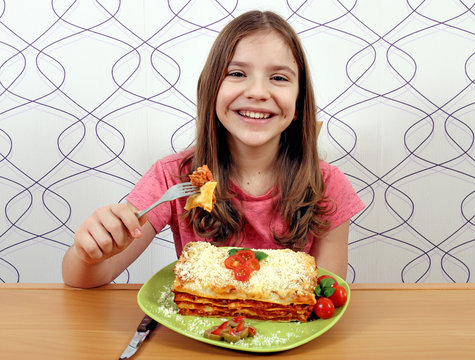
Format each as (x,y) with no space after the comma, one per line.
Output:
(324,288)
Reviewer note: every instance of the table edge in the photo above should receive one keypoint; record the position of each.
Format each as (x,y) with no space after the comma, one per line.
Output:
(412,286)
(355,286)
(60,286)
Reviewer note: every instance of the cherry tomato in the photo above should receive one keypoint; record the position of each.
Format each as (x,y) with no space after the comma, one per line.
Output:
(240,258)
(235,261)
(253,264)
(324,308)
(339,296)
(242,273)
(246,254)
(335,283)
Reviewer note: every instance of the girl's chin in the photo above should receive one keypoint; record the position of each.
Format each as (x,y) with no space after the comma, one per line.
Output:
(255,141)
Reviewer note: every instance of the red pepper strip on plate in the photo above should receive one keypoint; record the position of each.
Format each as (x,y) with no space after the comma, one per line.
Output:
(220,328)
(240,326)
(238,318)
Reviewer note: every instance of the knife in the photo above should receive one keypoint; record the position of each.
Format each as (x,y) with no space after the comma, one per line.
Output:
(145,327)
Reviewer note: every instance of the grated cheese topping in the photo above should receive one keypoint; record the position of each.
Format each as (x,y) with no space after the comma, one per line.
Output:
(283,277)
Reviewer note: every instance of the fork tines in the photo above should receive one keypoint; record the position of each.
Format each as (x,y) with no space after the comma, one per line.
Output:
(190,189)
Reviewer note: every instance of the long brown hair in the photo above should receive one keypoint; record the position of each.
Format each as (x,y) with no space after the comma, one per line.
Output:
(300,181)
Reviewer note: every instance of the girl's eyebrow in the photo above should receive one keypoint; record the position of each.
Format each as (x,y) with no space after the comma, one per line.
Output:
(273,68)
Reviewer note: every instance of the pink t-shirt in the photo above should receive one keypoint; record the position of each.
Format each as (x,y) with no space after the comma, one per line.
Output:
(261,219)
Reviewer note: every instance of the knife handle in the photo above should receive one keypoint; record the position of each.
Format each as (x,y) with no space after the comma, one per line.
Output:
(147,323)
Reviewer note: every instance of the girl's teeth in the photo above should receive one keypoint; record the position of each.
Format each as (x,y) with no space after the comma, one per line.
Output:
(255,115)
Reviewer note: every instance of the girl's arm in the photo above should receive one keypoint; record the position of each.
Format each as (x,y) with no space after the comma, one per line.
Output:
(331,251)
(105,245)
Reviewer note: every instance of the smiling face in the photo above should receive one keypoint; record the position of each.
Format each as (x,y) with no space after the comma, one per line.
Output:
(256,100)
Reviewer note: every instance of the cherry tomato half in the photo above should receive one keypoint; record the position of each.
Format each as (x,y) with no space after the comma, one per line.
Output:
(240,258)
(339,296)
(242,273)
(246,254)
(324,308)
(235,261)
(320,278)
(253,264)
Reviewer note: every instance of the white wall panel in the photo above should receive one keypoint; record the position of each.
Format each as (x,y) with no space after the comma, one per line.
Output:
(93,92)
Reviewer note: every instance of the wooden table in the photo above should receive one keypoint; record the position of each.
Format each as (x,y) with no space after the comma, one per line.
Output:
(383,321)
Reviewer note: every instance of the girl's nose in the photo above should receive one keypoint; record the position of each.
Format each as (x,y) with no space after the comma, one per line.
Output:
(257,89)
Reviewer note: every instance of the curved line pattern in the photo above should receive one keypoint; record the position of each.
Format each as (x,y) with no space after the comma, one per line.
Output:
(91,125)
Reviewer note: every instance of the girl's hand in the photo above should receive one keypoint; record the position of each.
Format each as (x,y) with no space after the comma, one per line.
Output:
(107,232)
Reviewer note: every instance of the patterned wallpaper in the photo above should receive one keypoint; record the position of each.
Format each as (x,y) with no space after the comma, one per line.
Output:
(93,92)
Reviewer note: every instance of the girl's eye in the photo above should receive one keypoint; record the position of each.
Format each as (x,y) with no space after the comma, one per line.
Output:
(235,74)
(279,78)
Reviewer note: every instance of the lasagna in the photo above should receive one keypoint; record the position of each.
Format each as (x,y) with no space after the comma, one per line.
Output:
(206,198)
(282,289)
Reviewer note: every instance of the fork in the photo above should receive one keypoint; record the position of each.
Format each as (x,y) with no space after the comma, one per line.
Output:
(175,192)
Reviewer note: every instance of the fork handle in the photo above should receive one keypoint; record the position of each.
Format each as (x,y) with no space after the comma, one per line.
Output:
(143,212)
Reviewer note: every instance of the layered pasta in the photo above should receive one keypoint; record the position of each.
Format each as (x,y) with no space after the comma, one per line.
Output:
(281,290)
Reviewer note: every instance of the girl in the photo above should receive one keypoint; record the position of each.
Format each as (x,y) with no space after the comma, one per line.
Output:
(257,132)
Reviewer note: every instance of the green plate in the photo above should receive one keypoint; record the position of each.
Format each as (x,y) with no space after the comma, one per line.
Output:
(156,300)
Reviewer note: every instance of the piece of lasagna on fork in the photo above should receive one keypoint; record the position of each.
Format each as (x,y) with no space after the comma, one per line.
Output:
(206,198)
